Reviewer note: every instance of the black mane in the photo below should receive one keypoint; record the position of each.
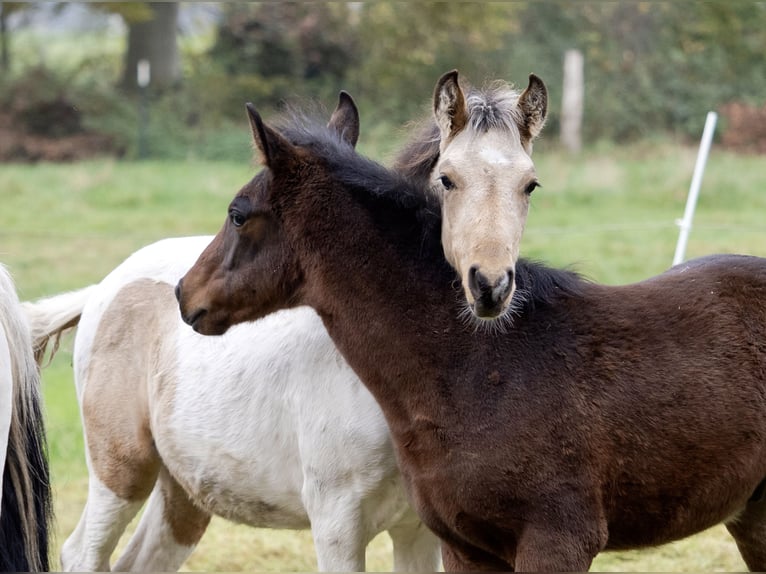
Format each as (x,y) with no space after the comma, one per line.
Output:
(365,176)
(540,285)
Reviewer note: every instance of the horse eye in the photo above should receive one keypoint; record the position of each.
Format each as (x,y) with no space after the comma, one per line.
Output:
(531,187)
(237,219)
(446,182)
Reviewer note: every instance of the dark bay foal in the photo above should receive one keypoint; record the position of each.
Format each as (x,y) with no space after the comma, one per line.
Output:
(605,418)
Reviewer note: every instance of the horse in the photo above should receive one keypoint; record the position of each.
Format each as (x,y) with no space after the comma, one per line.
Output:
(26,510)
(89,548)
(602,418)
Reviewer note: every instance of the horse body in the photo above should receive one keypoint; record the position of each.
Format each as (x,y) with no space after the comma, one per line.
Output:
(285,436)
(25,492)
(604,417)
(591,419)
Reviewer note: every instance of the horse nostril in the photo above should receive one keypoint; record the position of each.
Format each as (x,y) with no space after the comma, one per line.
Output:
(503,287)
(490,292)
(478,282)
(472,277)
(177,290)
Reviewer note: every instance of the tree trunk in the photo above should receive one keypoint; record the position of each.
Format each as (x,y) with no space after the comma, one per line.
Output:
(5,62)
(154,40)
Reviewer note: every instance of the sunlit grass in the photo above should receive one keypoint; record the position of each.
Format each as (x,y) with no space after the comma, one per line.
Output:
(610,213)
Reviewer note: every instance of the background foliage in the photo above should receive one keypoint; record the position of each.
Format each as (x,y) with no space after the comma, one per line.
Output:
(651,68)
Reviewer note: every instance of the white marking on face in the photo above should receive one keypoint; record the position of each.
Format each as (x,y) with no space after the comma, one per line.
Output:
(494,156)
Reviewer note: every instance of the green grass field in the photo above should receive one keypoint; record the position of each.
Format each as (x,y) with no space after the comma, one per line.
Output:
(608,213)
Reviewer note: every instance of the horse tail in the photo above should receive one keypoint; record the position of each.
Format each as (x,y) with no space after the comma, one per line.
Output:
(26,510)
(50,317)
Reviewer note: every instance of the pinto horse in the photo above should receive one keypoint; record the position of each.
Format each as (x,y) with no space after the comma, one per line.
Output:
(286,437)
(603,418)
(25,490)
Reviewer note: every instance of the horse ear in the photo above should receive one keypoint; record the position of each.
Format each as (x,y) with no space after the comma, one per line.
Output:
(269,142)
(450,110)
(533,104)
(345,119)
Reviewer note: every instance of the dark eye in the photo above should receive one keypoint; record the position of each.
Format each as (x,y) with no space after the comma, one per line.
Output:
(531,187)
(237,219)
(446,182)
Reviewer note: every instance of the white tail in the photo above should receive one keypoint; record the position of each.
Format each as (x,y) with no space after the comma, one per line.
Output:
(50,317)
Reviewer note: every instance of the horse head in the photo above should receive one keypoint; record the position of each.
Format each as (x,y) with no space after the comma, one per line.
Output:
(484,177)
(249,270)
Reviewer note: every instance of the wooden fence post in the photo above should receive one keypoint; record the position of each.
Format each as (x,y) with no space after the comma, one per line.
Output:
(572,101)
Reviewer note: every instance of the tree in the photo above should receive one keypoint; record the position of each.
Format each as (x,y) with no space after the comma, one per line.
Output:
(6,9)
(152,36)
(275,50)
(424,40)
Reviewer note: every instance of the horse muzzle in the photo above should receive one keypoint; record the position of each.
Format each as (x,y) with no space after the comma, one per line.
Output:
(491,295)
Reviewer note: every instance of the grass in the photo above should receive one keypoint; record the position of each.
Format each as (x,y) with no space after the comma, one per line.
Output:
(608,212)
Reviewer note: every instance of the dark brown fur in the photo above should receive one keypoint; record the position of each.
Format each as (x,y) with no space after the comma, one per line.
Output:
(605,418)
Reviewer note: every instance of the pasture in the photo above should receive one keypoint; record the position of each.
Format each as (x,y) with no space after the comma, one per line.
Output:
(609,213)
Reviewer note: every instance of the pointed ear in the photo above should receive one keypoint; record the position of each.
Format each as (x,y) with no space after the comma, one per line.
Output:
(269,142)
(450,110)
(345,119)
(533,105)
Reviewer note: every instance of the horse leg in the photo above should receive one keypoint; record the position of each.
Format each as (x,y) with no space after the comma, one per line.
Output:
(748,529)
(416,548)
(340,536)
(103,521)
(120,481)
(471,560)
(168,532)
(556,550)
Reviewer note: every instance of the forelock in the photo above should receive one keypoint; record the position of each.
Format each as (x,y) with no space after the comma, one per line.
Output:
(494,108)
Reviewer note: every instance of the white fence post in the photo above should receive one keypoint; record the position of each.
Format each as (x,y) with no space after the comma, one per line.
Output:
(691,200)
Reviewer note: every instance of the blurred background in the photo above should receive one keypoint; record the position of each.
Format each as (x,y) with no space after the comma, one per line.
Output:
(122,123)
(69,80)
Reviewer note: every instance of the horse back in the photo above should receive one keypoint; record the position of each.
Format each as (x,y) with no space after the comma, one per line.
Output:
(666,380)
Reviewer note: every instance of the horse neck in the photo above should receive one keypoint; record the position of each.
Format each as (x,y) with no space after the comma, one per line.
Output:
(378,286)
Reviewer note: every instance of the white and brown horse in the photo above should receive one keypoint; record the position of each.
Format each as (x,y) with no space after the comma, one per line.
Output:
(283,437)
(25,508)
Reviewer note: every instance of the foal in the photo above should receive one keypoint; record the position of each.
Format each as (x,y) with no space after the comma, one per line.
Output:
(605,418)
